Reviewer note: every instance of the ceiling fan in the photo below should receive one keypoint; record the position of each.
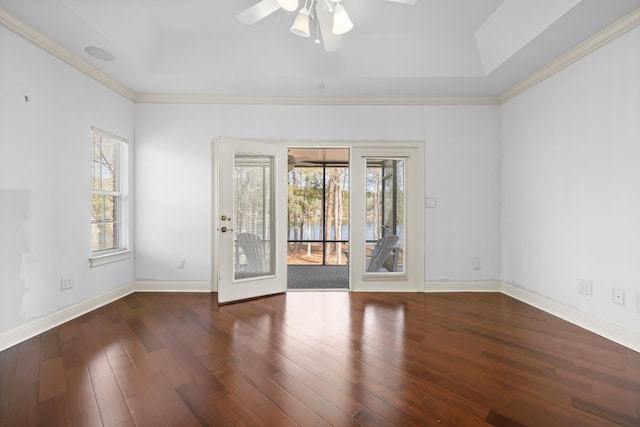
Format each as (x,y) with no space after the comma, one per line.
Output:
(293,162)
(331,18)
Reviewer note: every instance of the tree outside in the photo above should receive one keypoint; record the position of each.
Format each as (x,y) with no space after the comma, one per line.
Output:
(313,231)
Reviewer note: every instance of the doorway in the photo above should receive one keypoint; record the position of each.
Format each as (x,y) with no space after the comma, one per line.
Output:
(395,241)
(318,218)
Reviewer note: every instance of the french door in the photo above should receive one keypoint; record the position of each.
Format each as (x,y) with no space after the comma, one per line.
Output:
(388,198)
(386,253)
(250,214)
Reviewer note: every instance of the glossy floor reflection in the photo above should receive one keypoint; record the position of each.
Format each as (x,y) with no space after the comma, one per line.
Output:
(318,359)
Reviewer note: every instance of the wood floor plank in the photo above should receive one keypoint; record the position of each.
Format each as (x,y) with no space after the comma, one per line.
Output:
(169,403)
(148,339)
(73,352)
(408,401)
(111,403)
(235,411)
(8,362)
(141,359)
(193,367)
(339,399)
(319,359)
(54,412)
(22,408)
(291,406)
(312,400)
(375,406)
(202,406)
(130,380)
(27,370)
(52,382)
(144,410)
(171,368)
(81,400)
(50,347)
(605,413)
(255,402)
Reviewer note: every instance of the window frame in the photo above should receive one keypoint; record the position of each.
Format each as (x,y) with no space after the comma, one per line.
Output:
(121,251)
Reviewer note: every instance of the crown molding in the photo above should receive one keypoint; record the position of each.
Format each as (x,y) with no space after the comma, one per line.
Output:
(57,50)
(613,31)
(160,98)
(610,33)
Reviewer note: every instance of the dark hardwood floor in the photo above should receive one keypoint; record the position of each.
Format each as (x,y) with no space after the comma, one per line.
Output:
(319,359)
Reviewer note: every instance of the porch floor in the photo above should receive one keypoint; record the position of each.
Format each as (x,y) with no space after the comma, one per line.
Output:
(318,277)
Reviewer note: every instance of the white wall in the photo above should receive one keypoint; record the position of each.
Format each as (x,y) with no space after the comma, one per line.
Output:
(45,150)
(571,184)
(544,189)
(173,177)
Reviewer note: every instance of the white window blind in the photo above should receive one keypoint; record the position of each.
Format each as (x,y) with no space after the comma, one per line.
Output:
(108,167)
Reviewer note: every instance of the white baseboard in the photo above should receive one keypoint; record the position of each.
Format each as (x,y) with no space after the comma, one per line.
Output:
(159,286)
(43,324)
(607,330)
(462,286)
(612,332)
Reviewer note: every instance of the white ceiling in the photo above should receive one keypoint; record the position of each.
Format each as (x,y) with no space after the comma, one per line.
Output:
(433,48)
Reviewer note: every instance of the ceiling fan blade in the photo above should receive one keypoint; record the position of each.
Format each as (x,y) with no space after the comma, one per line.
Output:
(258,11)
(332,42)
(405,1)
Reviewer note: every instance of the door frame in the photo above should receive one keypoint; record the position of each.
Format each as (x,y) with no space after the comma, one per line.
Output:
(415,204)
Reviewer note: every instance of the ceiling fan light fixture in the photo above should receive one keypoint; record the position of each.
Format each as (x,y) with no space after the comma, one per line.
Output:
(288,5)
(300,26)
(332,20)
(341,22)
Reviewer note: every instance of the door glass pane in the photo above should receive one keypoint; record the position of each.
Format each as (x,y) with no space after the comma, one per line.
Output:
(384,217)
(253,222)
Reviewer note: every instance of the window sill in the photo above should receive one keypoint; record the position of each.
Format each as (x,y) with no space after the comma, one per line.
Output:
(109,258)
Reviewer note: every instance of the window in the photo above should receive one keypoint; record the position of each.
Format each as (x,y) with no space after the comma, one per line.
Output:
(108,195)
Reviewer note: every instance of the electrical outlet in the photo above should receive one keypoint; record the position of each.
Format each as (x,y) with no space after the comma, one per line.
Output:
(181,263)
(66,283)
(584,287)
(638,298)
(476,263)
(618,296)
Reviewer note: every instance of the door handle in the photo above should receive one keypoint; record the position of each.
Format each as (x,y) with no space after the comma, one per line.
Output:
(225,229)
